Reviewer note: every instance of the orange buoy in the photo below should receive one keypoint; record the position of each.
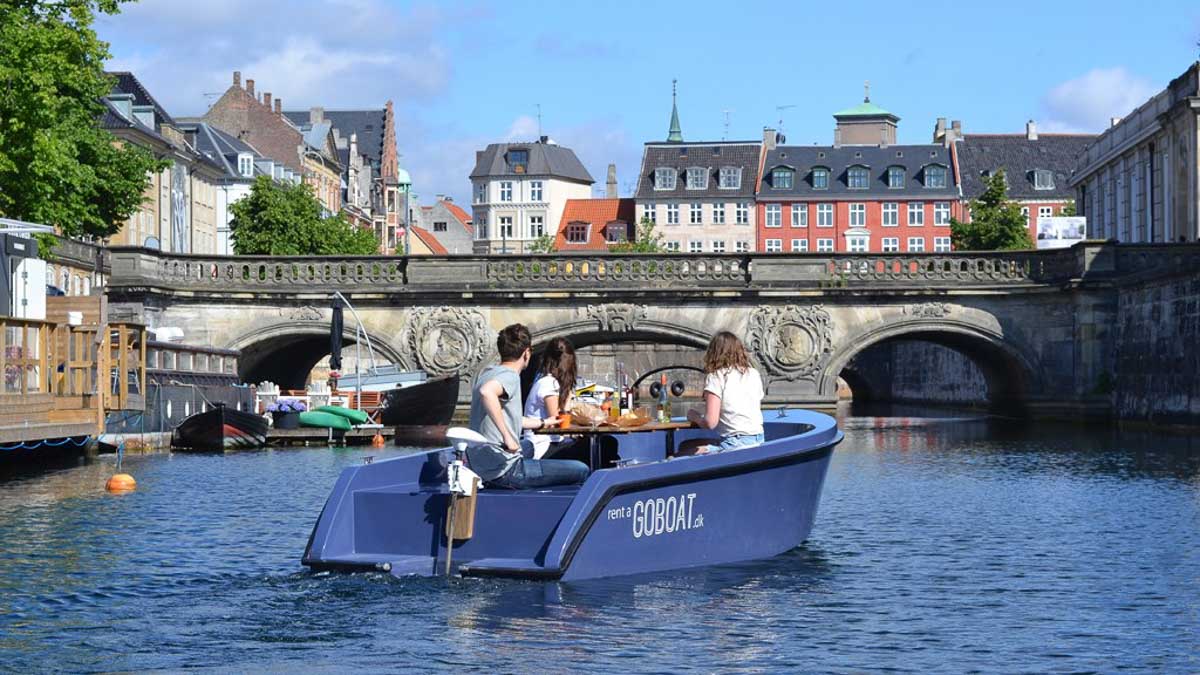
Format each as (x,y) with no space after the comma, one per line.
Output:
(121,482)
(377,440)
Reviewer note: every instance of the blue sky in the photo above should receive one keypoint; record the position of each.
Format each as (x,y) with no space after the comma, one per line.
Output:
(466,74)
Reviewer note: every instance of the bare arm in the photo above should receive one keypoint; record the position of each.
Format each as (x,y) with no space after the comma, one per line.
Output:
(711,415)
(490,394)
(551,402)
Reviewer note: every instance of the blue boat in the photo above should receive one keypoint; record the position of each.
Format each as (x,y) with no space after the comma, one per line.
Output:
(646,514)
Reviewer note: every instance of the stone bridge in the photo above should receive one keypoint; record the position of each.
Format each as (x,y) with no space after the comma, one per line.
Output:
(1042,326)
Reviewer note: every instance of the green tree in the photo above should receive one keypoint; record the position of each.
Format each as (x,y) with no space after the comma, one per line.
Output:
(996,224)
(277,219)
(645,241)
(543,244)
(1068,209)
(57,166)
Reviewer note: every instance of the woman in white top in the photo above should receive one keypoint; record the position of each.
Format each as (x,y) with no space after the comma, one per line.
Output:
(551,393)
(733,393)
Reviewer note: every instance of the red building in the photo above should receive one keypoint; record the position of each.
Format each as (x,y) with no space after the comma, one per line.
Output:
(594,224)
(864,193)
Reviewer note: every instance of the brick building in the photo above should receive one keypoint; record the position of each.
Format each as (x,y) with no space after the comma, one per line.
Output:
(864,193)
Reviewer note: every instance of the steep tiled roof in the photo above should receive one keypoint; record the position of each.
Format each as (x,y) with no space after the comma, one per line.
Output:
(710,156)
(113,120)
(545,159)
(429,240)
(127,83)
(597,213)
(1019,157)
(368,124)
(463,216)
(219,147)
(803,159)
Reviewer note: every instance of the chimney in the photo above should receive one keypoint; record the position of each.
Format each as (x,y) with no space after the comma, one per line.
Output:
(237,78)
(883,137)
(267,99)
(769,138)
(279,106)
(250,87)
(1031,131)
(1114,121)
(939,130)
(316,115)
(837,136)
(440,198)
(610,188)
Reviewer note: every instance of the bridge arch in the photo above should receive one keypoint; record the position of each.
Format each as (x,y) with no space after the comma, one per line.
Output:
(285,353)
(1010,373)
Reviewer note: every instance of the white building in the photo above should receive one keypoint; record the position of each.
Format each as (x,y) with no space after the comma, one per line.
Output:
(518,191)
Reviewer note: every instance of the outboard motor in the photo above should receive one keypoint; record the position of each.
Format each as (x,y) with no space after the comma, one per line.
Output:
(464,486)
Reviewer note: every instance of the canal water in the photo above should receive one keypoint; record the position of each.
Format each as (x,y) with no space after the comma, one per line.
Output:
(944,543)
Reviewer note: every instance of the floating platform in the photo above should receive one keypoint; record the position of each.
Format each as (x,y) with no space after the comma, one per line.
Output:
(319,436)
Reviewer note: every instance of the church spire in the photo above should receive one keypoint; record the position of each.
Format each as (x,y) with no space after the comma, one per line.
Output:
(674,134)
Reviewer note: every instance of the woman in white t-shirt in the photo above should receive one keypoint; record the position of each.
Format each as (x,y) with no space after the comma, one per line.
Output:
(733,393)
(551,393)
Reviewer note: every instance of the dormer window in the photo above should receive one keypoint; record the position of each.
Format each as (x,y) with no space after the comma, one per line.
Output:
(935,176)
(664,178)
(820,178)
(245,164)
(858,178)
(731,178)
(781,178)
(1043,179)
(616,232)
(697,178)
(577,233)
(518,161)
(895,177)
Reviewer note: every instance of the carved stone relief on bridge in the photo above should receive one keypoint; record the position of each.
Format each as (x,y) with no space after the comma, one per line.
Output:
(617,317)
(791,342)
(306,313)
(446,340)
(928,310)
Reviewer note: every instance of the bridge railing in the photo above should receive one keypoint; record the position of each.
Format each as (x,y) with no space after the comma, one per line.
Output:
(132,267)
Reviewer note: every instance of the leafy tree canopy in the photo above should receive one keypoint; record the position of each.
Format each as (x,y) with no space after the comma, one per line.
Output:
(277,219)
(645,241)
(996,224)
(543,244)
(57,166)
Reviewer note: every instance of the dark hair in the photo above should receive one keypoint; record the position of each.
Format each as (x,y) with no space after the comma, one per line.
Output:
(558,361)
(512,342)
(725,350)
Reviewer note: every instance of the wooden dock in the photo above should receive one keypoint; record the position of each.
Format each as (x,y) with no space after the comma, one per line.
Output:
(317,436)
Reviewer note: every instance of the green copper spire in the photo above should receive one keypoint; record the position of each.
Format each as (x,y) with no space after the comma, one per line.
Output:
(675,134)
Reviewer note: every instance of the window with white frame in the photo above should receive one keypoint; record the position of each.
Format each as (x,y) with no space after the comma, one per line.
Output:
(742,214)
(506,227)
(858,215)
(697,178)
(824,215)
(731,178)
(480,193)
(481,228)
(616,232)
(672,214)
(664,178)
(577,233)
(799,215)
(1045,212)
(506,191)
(246,165)
(537,226)
(857,243)
(895,177)
(741,246)
(799,245)
(935,176)
(1043,179)
(649,213)
(719,213)
(695,246)
(673,246)
(916,244)
(535,190)
(941,244)
(858,178)
(890,244)
(718,246)
(941,213)
(781,178)
(774,215)
(916,214)
(820,178)
(891,214)
(696,215)
(773,246)
(824,246)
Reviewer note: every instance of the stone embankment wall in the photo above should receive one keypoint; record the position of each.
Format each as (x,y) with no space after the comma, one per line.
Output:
(1157,359)
(916,372)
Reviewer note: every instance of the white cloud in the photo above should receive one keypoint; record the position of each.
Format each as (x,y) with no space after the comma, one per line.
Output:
(1086,103)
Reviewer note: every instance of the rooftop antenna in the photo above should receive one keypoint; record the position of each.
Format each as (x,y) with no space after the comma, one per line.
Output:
(779,109)
(866,91)
(539,109)
(725,136)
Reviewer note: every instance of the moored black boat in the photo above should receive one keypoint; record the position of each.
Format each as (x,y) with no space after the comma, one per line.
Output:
(220,429)
(429,403)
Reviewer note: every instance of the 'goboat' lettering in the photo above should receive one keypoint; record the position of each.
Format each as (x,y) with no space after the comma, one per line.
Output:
(659,515)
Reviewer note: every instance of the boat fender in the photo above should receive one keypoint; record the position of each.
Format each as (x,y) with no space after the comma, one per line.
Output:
(377,440)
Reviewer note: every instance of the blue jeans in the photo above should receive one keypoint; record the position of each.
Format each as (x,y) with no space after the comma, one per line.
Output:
(737,442)
(535,473)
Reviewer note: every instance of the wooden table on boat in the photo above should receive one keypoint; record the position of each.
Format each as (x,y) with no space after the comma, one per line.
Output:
(593,434)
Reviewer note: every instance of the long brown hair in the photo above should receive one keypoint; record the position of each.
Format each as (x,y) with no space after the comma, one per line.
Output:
(558,361)
(725,350)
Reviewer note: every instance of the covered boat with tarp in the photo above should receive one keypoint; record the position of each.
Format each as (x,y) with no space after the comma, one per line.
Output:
(646,514)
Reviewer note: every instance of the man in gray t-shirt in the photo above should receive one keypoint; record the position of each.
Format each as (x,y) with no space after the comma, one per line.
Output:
(496,414)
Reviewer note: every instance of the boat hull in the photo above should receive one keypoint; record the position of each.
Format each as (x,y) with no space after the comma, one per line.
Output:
(220,429)
(658,515)
(430,403)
